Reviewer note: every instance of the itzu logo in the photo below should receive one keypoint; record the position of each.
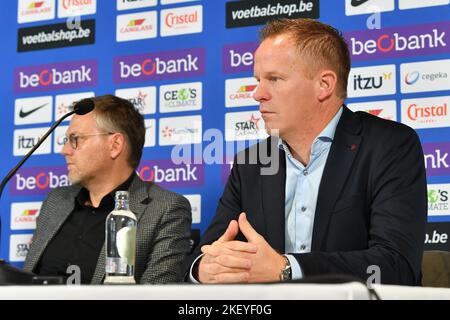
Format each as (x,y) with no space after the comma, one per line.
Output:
(399,41)
(38,180)
(438,201)
(56,76)
(371,81)
(180,97)
(169,175)
(159,66)
(436,158)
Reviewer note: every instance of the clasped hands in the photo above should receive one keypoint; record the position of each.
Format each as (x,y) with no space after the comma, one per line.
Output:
(230,261)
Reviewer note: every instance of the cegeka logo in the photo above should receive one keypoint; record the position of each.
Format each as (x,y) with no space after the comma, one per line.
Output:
(135,26)
(33,10)
(430,112)
(184,20)
(425,76)
(63,75)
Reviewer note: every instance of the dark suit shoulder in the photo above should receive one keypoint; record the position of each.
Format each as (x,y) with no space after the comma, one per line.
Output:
(63,193)
(165,196)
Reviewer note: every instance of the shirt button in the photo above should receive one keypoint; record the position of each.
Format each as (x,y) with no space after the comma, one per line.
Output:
(302,247)
(305,172)
(303,209)
(80,237)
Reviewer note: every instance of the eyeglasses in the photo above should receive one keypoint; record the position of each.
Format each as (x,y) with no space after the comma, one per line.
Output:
(73,138)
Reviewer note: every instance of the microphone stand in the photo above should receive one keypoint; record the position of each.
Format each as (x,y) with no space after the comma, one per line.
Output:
(8,273)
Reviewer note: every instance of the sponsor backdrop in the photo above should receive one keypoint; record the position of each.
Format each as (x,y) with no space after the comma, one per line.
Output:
(187,66)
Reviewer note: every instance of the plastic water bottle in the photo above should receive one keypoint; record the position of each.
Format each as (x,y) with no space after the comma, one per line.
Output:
(121,228)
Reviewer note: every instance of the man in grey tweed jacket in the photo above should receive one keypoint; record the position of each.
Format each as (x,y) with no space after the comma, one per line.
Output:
(98,165)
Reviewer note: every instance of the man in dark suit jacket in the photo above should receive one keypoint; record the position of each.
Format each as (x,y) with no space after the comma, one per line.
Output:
(102,151)
(349,196)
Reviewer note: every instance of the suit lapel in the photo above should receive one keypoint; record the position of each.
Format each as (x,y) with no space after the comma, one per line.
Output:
(344,149)
(139,200)
(273,199)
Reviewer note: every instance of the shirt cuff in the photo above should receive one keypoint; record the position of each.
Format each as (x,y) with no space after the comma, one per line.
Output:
(296,270)
(191,275)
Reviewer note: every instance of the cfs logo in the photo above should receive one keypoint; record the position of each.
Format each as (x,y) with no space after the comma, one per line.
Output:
(38,180)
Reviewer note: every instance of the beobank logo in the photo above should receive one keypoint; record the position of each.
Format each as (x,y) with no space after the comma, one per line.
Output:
(57,76)
(437,161)
(426,112)
(169,175)
(38,180)
(397,42)
(238,57)
(159,66)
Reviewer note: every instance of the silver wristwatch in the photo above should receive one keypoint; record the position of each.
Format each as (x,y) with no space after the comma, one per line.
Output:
(286,272)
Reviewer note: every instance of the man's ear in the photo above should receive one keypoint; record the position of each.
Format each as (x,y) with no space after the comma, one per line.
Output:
(117,145)
(327,84)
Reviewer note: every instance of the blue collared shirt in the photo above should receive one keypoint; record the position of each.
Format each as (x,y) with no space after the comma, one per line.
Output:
(302,189)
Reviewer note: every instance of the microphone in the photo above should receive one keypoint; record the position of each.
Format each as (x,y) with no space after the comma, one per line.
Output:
(9,274)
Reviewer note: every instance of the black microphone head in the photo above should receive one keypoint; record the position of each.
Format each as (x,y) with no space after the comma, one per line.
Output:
(84,106)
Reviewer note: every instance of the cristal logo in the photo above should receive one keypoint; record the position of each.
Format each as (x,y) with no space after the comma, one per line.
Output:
(68,4)
(181,20)
(247,127)
(416,112)
(39,180)
(165,173)
(56,76)
(411,78)
(173,64)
